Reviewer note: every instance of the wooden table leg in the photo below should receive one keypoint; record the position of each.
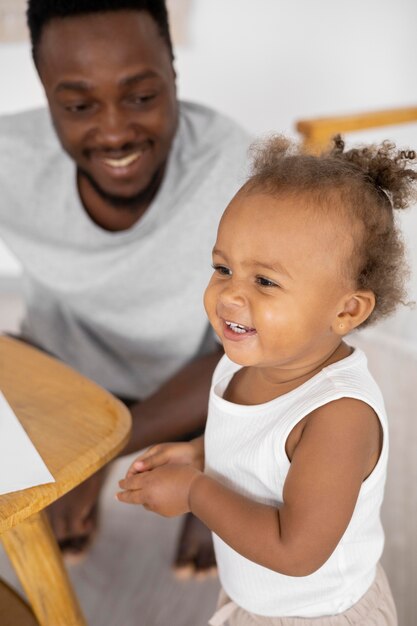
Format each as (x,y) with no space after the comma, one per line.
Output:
(34,554)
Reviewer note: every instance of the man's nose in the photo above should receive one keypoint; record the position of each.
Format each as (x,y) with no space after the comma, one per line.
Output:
(115,129)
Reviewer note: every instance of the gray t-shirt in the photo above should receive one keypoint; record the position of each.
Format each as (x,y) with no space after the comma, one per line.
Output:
(124,308)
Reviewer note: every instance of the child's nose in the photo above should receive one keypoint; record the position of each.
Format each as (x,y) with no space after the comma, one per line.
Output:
(233,294)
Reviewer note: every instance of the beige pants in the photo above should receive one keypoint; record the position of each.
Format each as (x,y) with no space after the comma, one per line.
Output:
(375,608)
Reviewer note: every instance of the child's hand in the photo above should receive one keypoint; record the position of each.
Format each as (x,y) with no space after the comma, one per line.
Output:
(187,453)
(165,490)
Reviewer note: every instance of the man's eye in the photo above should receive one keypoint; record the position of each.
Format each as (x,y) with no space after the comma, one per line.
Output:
(142,99)
(265,282)
(222,269)
(79,107)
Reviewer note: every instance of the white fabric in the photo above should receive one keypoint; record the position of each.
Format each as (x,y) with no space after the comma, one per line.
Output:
(245,449)
(222,615)
(124,308)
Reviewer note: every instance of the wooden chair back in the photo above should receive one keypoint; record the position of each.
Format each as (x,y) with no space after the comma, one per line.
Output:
(318,132)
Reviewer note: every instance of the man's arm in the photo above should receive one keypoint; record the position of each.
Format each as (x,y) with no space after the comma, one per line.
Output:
(178,409)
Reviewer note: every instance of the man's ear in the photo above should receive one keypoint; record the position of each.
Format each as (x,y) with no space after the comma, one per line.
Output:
(354,309)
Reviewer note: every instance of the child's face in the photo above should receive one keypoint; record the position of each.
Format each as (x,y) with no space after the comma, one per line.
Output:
(278,276)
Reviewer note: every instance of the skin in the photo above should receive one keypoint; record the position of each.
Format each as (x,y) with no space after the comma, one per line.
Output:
(297,309)
(110,86)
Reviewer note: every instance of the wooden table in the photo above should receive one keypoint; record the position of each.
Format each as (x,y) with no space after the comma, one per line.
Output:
(77,427)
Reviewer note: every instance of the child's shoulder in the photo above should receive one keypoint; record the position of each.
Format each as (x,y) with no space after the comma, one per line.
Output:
(343,400)
(350,378)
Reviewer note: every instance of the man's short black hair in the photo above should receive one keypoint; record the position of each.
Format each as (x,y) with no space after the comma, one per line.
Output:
(40,12)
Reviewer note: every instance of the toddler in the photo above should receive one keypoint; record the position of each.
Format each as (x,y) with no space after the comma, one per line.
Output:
(290,473)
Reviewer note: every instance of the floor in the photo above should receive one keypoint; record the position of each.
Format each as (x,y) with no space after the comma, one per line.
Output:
(126,579)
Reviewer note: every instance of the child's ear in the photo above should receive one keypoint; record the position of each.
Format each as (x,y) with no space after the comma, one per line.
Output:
(354,310)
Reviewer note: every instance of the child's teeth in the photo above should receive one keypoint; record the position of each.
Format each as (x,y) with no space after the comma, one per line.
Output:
(237,328)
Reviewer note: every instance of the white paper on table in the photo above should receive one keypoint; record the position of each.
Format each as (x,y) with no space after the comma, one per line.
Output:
(21,465)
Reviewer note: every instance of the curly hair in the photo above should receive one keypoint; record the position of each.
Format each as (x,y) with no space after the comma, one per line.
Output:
(366,184)
(40,12)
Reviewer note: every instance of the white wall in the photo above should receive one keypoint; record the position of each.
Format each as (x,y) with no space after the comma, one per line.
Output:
(268,63)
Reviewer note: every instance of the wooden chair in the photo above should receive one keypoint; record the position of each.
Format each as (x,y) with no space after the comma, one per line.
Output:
(13,610)
(317,132)
(77,427)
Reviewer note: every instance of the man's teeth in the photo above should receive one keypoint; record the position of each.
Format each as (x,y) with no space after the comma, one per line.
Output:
(237,328)
(124,161)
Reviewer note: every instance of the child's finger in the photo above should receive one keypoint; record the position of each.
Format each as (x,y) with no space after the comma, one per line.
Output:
(134,481)
(149,452)
(133,496)
(150,462)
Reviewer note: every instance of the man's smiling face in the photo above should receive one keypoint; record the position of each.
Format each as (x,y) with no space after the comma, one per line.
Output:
(110,86)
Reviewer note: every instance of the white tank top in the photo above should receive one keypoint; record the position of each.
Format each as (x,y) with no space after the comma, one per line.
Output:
(245,449)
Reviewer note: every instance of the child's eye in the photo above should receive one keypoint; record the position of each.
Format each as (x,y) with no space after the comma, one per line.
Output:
(222,269)
(265,282)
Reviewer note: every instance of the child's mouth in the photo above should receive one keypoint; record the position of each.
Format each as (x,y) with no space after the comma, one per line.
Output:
(233,328)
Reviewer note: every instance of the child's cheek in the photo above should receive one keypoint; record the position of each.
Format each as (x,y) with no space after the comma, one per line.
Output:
(210,303)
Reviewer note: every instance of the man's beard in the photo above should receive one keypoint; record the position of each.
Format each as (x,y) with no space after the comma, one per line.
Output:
(122,203)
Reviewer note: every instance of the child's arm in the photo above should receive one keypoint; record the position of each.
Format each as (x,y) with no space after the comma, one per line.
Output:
(338,448)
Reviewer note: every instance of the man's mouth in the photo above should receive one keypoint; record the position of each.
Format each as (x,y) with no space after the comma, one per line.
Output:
(239,329)
(123,161)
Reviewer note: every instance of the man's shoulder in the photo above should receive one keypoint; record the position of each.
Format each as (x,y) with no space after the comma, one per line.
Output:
(29,154)
(203,128)
(32,127)
(208,164)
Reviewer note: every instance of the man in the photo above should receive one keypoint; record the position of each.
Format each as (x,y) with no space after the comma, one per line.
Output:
(111,203)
